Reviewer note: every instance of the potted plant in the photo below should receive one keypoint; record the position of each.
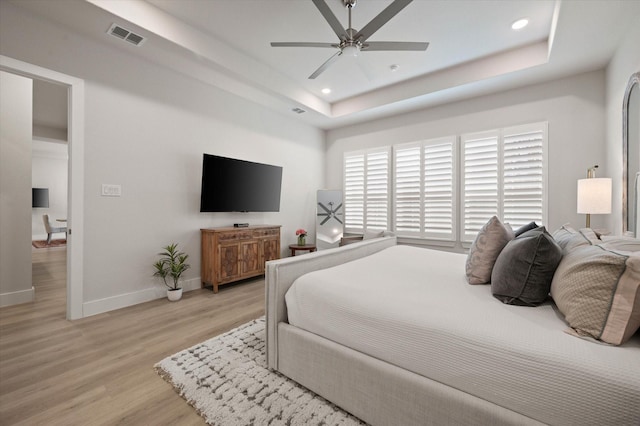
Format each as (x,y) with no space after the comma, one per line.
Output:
(172,264)
(302,237)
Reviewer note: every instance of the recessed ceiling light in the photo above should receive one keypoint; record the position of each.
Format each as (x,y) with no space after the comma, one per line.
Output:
(326,90)
(520,24)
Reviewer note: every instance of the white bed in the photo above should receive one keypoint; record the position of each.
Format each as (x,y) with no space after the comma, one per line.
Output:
(395,339)
(431,322)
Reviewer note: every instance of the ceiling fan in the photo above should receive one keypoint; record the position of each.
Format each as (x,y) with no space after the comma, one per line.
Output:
(352,42)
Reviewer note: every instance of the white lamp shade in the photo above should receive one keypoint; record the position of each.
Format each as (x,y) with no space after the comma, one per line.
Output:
(594,196)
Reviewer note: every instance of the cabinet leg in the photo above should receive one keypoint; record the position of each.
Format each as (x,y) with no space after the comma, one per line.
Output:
(215,287)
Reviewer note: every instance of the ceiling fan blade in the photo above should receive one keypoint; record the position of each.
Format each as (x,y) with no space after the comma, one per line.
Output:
(302,44)
(331,19)
(325,65)
(394,45)
(382,18)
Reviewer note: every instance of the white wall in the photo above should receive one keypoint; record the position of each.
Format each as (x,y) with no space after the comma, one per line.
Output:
(625,62)
(573,107)
(146,130)
(49,169)
(15,189)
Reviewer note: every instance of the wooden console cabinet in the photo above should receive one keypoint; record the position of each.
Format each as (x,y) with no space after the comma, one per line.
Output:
(231,254)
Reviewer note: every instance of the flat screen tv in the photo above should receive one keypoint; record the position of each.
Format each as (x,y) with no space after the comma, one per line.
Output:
(39,197)
(231,185)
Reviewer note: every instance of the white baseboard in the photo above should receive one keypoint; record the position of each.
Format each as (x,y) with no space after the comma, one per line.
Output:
(99,306)
(17,297)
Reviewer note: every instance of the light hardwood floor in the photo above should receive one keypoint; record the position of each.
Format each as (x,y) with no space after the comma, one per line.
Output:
(99,370)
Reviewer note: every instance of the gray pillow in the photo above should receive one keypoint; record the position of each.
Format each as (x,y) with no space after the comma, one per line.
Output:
(485,250)
(564,234)
(524,269)
(524,228)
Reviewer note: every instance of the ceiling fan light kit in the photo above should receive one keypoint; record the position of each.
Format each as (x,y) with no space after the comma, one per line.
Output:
(352,42)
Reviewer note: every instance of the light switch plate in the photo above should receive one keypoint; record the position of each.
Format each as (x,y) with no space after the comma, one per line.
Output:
(110,190)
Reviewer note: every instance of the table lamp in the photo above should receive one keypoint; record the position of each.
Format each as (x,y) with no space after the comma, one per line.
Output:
(594,195)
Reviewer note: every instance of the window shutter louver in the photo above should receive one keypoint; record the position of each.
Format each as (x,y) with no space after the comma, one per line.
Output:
(523,176)
(354,192)
(480,182)
(439,190)
(377,193)
(366,190)
(424,189)
(407,191)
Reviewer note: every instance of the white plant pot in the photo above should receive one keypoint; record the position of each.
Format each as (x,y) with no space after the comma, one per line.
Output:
(174,295)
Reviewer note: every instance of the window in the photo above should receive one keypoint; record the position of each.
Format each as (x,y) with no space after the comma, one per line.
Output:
(425,189)
(504,174)
(480,181)
(366,190)
(500,172)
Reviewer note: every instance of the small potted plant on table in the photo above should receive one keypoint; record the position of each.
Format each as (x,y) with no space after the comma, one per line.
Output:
(172,263)
(302,237)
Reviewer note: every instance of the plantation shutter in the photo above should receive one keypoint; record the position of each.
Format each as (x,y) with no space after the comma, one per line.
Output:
(407,190)
(424,189)
(377,190)
(354,192)
(480,181)
(439,189)
(366,190)
(524,183)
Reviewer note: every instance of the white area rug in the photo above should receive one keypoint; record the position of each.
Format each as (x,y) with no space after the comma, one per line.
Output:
(227,381)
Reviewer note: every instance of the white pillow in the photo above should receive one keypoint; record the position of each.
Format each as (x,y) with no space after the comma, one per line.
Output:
(369,235)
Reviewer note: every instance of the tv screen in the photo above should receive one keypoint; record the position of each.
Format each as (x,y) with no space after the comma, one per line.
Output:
(39,197)
(231,185)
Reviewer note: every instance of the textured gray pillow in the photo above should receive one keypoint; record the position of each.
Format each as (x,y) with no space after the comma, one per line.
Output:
(524,270)
(485,250)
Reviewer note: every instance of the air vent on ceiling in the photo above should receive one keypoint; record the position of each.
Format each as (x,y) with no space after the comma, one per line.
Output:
(126,35)
(298,110)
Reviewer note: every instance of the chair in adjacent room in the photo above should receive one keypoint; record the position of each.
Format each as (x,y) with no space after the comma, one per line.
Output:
(52,229)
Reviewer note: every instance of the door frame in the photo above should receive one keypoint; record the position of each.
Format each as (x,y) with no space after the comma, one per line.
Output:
(75,183)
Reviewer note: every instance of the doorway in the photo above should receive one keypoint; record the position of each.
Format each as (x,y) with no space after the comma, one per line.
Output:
(75,188)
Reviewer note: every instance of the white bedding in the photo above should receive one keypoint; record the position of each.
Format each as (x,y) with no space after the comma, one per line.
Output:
(413,308)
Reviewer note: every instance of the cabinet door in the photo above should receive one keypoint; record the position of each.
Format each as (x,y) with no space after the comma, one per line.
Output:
(250,260)
(228,255)
(208,264)
(271,249)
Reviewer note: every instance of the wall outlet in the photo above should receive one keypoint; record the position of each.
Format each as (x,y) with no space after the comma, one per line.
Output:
(109,190)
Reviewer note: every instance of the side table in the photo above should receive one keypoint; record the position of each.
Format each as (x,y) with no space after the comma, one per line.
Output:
(307,247)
